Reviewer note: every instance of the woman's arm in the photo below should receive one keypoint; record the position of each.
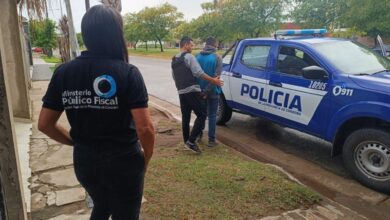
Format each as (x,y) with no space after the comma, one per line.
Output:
(145,131)
(47,123)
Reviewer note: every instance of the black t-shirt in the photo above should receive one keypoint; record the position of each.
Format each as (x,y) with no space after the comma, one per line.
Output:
(97,94)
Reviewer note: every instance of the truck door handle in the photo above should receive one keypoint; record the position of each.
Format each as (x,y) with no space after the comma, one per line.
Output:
(237,75)
(277,84)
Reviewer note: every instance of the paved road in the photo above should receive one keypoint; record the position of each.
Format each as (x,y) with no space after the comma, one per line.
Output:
(158,78)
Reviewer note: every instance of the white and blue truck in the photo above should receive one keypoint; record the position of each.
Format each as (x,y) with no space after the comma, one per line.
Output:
(335,89)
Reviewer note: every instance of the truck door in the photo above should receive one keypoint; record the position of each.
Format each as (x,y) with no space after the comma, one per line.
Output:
(249,81)
(302,103)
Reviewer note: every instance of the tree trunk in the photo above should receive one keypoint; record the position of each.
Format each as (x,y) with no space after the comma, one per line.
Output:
(220,44)
(72,33)
(146,45)
(135,45)
(87,6)
(117,4)
(161,47)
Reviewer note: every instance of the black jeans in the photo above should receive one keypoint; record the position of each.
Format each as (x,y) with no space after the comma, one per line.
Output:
(192,102)
(114,177)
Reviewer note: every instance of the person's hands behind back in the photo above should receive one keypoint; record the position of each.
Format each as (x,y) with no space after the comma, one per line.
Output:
(217,81)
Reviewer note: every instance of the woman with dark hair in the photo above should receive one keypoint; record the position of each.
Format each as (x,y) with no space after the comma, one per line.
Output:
(106,103)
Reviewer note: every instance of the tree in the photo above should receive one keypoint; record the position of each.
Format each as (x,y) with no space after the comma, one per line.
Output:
(63,39)
(34,7)
(348,33)
(319,13)
(117,4)
(211,23)
(80,40)
(43,35)
(134,30)
(158,21)
(373,16)
(183,29)
(248,18)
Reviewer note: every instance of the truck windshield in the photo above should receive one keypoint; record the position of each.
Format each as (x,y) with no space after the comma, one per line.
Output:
(353,58)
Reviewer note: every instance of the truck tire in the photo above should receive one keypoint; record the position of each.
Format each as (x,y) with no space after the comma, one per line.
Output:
(224,112)
(366,154)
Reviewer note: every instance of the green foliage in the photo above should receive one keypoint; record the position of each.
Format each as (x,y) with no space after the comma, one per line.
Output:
(232,19)
(43,34)
(183,29)
(211,23)
(48,59)
(36,28)
(359,16)
(319,13)
(228,20)
(152,23)
(134,30)
(349,33)
(80,40)
(248,18)
(370,16)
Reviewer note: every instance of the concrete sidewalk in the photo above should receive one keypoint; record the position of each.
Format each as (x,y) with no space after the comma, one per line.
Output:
(42,71)
(56,193)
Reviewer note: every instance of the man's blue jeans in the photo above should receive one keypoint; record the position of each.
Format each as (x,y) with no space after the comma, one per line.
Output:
(212,106)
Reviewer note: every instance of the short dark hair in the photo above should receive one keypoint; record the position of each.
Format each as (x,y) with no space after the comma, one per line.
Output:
(102,31)
(185,40)
(211,41)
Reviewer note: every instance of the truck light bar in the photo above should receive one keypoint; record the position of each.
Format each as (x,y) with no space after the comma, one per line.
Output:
(301,32)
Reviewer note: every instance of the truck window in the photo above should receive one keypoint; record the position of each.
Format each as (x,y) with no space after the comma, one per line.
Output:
(292,61)
(255,56)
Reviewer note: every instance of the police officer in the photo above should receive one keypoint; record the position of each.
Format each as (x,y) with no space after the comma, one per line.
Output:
(106,103)
(185,70)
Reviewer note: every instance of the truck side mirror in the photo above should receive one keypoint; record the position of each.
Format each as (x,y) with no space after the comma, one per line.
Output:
(315,73)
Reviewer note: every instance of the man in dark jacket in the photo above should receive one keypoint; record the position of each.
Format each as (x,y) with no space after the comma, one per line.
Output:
(185,70)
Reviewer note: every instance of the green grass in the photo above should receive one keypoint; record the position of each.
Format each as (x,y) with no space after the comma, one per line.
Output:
(218,184)
(51,59)
(52,68)
(156,53)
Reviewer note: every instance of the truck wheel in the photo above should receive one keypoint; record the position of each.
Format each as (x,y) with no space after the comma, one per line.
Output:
(366,154)
(224,112)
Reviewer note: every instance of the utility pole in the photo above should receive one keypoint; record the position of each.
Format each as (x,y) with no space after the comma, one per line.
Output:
(87,5)
(60,2)
(74,47)
(47,12)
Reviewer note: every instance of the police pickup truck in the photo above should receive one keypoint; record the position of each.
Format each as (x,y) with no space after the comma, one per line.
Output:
(335,89)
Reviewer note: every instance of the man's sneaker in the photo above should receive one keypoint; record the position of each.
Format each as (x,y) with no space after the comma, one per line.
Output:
(212,144)
(192,147)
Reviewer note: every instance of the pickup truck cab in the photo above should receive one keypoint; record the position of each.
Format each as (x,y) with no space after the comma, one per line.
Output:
(335,89)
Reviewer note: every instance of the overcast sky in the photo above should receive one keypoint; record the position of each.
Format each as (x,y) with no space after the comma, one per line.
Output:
(190,8)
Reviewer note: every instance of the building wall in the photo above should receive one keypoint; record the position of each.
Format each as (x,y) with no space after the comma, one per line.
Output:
(370,41)
(2,210)
(15,63)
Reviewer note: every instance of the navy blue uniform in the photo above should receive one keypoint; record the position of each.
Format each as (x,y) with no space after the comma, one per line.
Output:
(97,94)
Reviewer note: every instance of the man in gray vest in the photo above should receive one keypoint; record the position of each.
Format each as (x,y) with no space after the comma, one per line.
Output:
(185,70)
